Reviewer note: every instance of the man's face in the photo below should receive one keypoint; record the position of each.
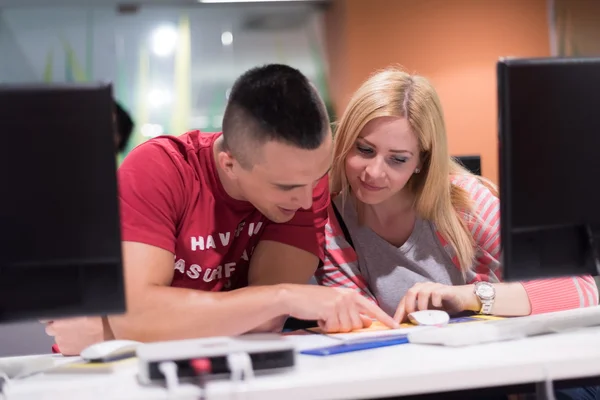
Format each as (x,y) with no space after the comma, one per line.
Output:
(283,178)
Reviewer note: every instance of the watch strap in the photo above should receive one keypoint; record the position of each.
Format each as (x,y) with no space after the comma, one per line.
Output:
(486,307)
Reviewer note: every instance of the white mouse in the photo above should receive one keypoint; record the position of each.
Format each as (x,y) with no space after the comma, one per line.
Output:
(110,350)
(429,317)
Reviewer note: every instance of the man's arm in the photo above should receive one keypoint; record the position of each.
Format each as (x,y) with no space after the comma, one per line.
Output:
(289,252)
(273,263)
(156,311)
(153,197)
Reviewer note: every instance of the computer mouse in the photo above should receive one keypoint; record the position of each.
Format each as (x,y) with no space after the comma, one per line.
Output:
(429,317)
(110,350)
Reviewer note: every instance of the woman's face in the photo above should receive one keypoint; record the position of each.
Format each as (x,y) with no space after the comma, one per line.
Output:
(384,157)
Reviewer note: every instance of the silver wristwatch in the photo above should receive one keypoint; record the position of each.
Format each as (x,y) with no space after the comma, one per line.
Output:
(486,293)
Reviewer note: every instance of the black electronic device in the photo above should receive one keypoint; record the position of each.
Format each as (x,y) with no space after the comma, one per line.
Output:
(549,134)
(60,245)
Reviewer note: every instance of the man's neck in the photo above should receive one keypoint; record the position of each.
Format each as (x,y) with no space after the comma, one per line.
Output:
(231,187)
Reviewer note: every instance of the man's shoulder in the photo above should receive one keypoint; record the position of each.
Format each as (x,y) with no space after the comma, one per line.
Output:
(190,141)
(168,152)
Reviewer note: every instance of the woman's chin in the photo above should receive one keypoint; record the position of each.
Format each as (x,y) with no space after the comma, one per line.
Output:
(370,198)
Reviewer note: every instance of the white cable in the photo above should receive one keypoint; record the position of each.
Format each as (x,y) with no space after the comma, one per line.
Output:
(4,383)
(169,371)
(240,366)
(246,365)
(545,390)
(235,368)
(233,363)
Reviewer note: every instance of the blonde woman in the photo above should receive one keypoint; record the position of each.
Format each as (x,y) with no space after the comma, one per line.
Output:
(415,230)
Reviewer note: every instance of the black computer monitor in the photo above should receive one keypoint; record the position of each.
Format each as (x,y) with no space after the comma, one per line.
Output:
(471,163)
(549,164)
(60,247)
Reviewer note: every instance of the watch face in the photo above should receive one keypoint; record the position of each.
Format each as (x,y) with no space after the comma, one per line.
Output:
(485,291)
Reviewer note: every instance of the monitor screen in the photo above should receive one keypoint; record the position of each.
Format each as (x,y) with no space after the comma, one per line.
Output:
(60,250)
(549,134)
(471,163)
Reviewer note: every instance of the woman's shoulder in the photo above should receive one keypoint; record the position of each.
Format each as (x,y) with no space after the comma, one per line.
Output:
(480,190)
(484,208)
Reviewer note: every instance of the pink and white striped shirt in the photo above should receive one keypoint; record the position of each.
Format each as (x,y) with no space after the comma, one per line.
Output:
(342,266)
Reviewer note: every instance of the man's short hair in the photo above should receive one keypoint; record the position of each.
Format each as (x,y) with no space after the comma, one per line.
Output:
(124,126)
(273,103)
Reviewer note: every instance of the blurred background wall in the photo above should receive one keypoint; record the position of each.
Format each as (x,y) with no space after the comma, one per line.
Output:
(454,43)
(172,62)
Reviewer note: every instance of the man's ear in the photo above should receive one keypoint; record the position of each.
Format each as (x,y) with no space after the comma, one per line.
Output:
(227,163)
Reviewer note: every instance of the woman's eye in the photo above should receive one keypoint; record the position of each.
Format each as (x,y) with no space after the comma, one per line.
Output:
(364,150)
(396,160)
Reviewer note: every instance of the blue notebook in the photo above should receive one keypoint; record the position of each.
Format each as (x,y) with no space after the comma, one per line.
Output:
(374,342)
(358,344)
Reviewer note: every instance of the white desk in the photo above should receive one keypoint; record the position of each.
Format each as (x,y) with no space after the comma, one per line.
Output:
(391,371)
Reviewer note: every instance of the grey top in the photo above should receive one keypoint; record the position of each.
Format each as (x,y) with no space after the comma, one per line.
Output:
(389,270)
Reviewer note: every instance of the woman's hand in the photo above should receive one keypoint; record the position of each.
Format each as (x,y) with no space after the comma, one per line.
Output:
(429,295)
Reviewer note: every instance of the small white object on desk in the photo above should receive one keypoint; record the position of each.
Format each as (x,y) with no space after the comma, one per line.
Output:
(429,317)
(110,349)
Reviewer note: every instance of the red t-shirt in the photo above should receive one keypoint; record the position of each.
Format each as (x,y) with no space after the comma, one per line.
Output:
(171,197)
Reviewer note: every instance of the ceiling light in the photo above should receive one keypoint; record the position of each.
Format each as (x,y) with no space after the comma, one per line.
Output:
(227,38)
(164,41)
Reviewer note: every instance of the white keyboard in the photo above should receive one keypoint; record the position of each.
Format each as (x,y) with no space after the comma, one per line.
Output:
(467,334)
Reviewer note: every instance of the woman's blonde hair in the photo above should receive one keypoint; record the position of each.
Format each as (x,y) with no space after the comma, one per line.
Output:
(394,93)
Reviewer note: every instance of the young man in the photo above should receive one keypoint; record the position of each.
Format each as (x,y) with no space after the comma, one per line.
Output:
(223,231)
